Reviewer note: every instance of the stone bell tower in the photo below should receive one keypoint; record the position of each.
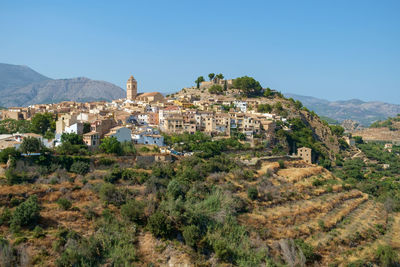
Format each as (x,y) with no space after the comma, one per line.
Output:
(131,88)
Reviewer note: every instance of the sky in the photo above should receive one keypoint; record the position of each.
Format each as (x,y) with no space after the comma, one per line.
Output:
(334,50)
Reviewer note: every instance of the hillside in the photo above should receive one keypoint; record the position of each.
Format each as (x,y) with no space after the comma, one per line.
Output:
(356,110)
(324,140)
(22,86)
(387,130)
(207,217)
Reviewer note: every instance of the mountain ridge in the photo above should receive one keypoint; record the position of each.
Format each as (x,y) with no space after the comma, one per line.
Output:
(23,86)
(364,112)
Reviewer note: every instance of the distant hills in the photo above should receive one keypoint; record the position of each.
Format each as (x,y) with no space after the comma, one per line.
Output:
(354,109)
(22,86)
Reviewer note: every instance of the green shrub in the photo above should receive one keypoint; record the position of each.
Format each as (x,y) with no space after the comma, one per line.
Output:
(160,225)
(38,232)
(191,234)
(26,214)
(174,189)
(13,177)
(64,203)
(308,251)
(8,152)
(111,195)
(317,182)
(80,167)
(386,256)
(252,193)
(106,161)
(110,145)
(281,164)
(133,211)
(5,217)
(114,175)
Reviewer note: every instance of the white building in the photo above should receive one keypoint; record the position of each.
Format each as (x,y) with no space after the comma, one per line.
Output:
(148,136)
(242,105)
(123,134)
(76,128)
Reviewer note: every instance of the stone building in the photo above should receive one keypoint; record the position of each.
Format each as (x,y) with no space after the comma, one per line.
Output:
(131,88)
(305,153)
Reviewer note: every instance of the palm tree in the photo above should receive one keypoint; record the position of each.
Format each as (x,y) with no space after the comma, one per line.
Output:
(199,80)
(220,76)
(211,76)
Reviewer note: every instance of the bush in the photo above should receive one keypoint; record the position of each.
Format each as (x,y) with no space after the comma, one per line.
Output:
(133,211)
(38,232)
(386,256)
(160,225)
(110,145)
(281,164)
(64,203)
(308,251)
(80,167)
(106,161)
(111,195)
(114,175)
(174,189)
(8,152)
(13,177)
(191,234)
(252,193)
(26,214)
(5,217)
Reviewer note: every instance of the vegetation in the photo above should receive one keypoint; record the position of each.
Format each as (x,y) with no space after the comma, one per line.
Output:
(198,81)
(216,89)
(248,86)
(110,145)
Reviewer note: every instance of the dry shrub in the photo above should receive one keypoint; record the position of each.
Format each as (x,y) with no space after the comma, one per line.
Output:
(296,174)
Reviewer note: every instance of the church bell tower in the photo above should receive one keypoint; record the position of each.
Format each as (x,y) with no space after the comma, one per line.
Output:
(131,88)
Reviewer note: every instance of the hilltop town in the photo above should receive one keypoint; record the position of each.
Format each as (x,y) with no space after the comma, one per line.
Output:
(141,117)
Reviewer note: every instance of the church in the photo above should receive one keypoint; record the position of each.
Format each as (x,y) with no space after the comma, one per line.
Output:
(131,93)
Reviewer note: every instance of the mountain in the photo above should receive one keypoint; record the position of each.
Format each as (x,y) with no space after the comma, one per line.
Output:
(354,109)
(22,86)
(15,76)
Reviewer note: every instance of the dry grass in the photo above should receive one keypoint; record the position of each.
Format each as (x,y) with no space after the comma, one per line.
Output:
(294,175)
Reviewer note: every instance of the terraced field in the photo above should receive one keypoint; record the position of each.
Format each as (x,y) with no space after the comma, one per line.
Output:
(308,202)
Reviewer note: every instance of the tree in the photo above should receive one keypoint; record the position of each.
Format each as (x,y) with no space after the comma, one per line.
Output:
(72,138)
(268,92)
(199,80)
(8,152)
(110,145)
(160,225)
(216,89)
(42,122)
(264,108)
(27,213)
(220,76)
(211,76)
(80,167)
(248,85)
(31,145)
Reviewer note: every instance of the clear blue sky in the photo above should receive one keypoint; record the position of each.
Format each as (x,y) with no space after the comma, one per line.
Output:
(328,49)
